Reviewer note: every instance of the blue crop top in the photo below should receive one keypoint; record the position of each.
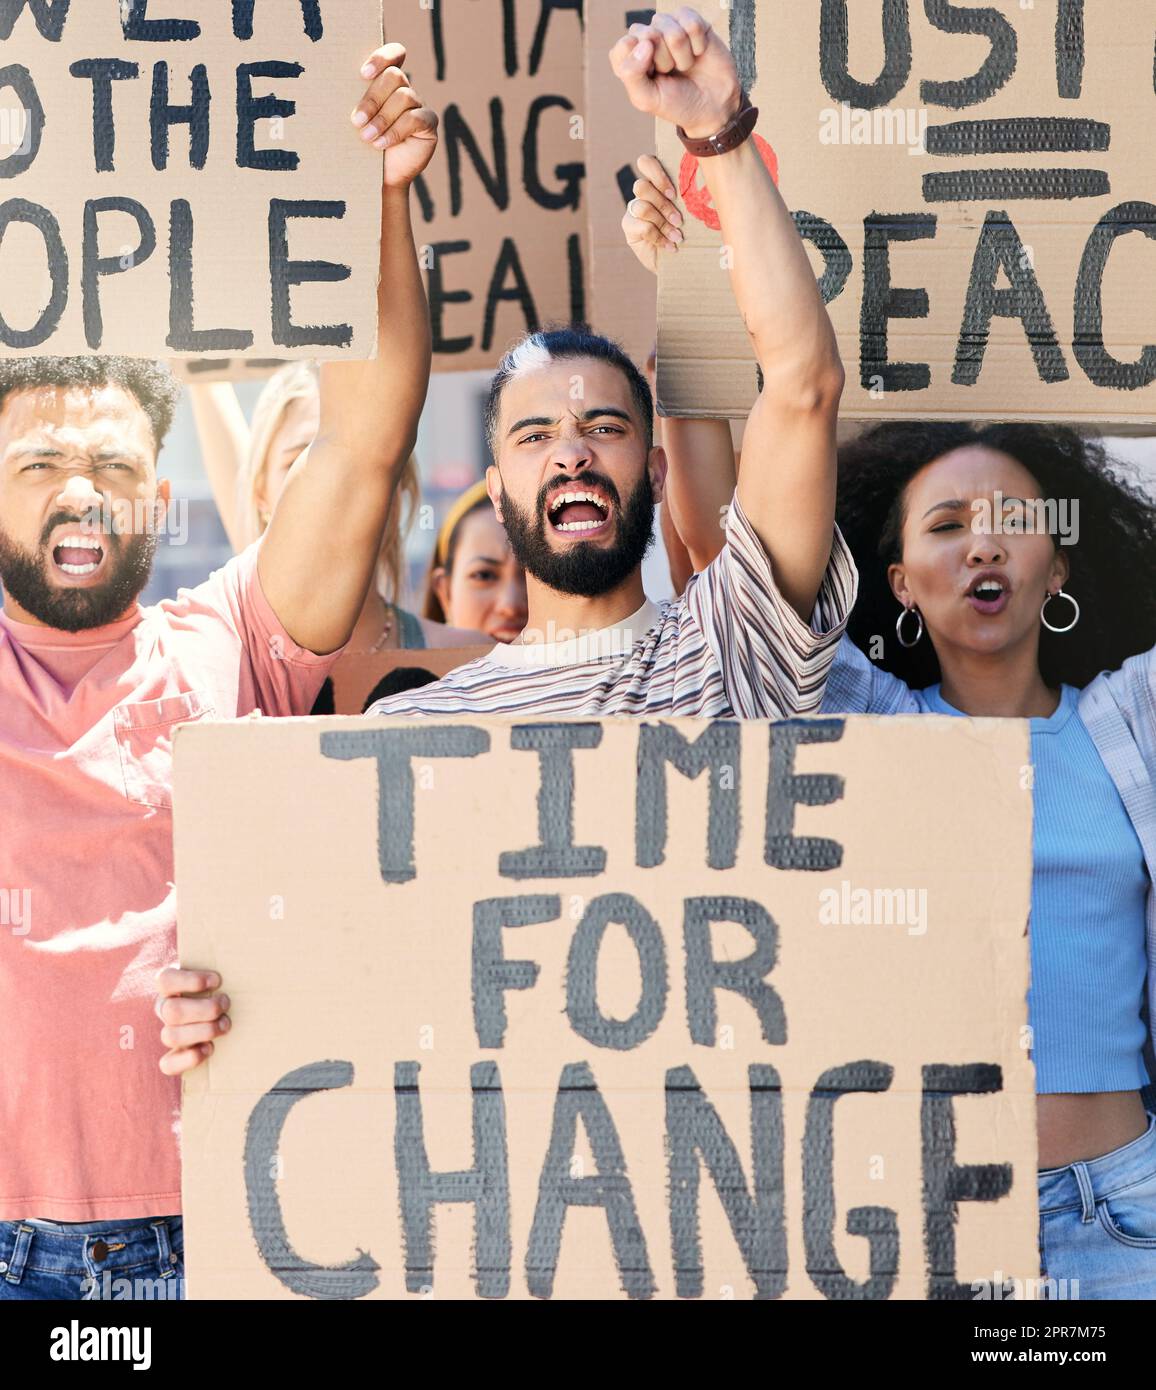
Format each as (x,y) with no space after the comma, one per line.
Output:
(1089,886)
(1088,894)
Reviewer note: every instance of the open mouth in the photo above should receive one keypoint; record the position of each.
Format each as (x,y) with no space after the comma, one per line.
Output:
(989,594)
(578,512)
(78,556)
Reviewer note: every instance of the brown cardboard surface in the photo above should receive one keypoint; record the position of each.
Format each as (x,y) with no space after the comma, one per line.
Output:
(282,889)
(824,169)
(230,259)
(507,252)
(623,295)
(355,677)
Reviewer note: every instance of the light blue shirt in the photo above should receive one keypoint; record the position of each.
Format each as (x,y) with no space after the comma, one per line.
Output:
(1090,887)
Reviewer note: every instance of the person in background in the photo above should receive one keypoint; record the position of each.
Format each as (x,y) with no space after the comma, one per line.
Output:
(988,619)
(247,466)
(475,579)
(92,689)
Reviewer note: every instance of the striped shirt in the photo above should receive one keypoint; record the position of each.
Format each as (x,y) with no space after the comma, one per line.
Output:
(731,646)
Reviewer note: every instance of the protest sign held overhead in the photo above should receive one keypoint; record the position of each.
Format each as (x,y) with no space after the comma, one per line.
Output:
(976,188)
(609,1008)
(184,186)
(499,216)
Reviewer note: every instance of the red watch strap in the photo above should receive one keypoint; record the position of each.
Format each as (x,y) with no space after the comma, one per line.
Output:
(730,137)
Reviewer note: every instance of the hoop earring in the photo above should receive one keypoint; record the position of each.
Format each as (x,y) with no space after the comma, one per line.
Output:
(1075,612)
(918,631)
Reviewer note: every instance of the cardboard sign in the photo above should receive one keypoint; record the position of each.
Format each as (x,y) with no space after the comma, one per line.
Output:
(355,678)
(976,188)
(498,215)
(606,1008)
(623,294)
(186,186)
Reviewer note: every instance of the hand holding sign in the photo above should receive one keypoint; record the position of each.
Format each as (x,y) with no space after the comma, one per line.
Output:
(678,69)
(391,117)
(651,222)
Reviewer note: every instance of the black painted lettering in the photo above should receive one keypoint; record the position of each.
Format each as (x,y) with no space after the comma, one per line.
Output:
(491,973)
(879,1225)
(834,46)
(608,1187)
(694,1129)
(394,751)
(21,210)
(947,1183)
(786,790)
(718,752)
(183,336)
(95,267)
(355,1278)
(138,26)
(997,68)
(1101,366)
(196,116)
(586,1018)
(999,248)
(882,302)
(17,76)
(103,72)
(745,977)
(486,1185)
(556,855)
(251,109)
(285,273)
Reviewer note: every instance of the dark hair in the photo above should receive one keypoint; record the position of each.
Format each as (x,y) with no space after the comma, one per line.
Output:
(561,344)
(1111,564)
(152,383)
(400,679)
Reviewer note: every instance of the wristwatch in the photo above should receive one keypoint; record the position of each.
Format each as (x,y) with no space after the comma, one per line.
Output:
(730,137)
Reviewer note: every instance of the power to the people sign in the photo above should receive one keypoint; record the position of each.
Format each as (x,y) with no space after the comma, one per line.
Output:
(976,187)
(609,1008)
(182,179)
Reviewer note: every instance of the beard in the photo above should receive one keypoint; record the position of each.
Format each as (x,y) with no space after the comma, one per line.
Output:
(584,568)
(25,577)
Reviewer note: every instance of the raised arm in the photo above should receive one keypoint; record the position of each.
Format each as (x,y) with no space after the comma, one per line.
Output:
(317,556)
(680,70)
(223,432)
(700,455)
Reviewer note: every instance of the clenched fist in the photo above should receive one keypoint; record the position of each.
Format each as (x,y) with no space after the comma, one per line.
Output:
(677,68)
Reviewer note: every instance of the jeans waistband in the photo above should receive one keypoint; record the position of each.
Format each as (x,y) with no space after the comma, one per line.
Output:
(114,1227)
(1082,1185)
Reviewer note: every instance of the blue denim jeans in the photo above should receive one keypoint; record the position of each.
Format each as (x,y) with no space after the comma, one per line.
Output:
(1098,1224)
(92,1260)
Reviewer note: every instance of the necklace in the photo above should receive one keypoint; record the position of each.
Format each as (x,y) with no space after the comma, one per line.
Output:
(386,634)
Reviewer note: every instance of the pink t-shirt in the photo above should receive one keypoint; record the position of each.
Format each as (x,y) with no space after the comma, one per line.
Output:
(88,1124)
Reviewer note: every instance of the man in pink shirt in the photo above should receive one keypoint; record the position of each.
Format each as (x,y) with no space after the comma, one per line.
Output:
(92,687)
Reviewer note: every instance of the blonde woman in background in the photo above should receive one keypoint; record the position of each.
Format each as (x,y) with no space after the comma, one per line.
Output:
(247,466)
(474,579)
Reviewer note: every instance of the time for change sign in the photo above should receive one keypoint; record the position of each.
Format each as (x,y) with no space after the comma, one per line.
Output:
(182,179)
(609,1009)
